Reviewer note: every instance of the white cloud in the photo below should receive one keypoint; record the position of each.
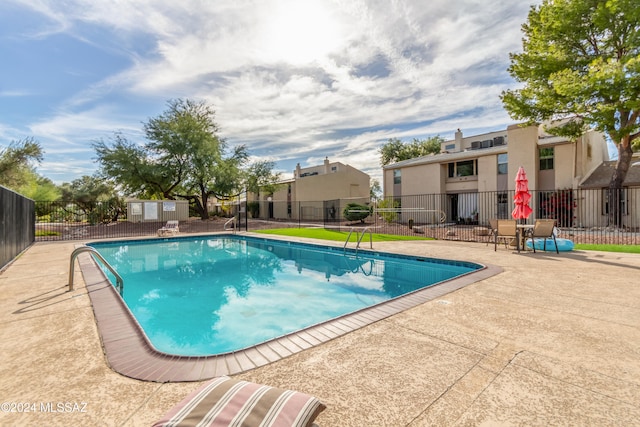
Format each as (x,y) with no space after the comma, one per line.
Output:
(67,126)
(297,77)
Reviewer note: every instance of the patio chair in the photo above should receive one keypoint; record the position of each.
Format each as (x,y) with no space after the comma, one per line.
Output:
(232,402)
(506,231)
(493,225)
(543,228)
(170,229)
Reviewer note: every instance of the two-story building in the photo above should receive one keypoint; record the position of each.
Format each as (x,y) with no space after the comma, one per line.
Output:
(473,178)
(313,193)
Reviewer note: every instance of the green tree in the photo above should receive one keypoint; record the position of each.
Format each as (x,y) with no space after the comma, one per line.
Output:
(375,190)
(580,64)
(95,197)
(137,172)
(17,161)
(183,158)
(259,177)
(395,150)
(39,188)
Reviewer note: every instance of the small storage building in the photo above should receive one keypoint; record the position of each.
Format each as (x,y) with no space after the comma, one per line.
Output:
(157,210)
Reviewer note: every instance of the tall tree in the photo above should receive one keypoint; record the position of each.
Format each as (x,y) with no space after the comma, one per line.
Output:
(39,188)
(135,170)
(375,190)
(580,64)
(260,177)
(183,158)
(17,161)
(395,150)
(95,197)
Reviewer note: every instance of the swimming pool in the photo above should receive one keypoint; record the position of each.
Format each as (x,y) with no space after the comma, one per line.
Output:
(209,295)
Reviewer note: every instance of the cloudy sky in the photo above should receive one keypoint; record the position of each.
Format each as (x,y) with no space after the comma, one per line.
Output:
(294,80)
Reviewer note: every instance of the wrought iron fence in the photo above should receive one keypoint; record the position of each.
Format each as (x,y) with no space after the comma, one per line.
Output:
(16,224)
(584,216)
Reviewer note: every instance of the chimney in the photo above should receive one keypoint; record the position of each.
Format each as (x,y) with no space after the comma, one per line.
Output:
(326,165)
(458,140)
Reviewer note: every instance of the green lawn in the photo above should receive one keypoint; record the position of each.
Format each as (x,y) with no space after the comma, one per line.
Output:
(629,249)
(321,233)
(341,236)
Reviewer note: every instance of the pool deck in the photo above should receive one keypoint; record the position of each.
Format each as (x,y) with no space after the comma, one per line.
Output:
(554,339)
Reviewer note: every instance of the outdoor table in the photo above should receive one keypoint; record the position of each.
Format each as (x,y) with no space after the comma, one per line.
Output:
(525,231)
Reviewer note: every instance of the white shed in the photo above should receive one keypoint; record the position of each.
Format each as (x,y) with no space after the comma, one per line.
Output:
(157,210)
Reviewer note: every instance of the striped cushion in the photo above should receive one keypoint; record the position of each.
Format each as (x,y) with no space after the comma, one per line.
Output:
(227,402)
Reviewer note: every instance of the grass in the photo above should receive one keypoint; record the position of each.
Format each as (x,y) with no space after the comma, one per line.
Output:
(321,233)
(629,249)
(341,236)
(45,233)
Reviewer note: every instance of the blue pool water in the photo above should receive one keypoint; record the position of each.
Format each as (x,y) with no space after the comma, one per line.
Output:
(216,294)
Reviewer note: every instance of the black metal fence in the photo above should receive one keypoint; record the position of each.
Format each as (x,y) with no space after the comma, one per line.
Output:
(17,232)
(584,216)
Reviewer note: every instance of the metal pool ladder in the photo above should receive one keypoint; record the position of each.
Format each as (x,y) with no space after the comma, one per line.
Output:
(233,221)
(359,238)
(94,252)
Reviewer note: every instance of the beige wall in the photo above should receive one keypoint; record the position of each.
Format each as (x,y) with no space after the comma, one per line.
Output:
(593,151)
(157,210)
(343,184)
(523,151)
(564,165)
(309,192)
(424,179)
(387,183)
(488,173)
(573,162)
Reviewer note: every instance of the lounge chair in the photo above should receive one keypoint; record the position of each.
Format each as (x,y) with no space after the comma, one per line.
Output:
(543,228)
(170,229)
(506,231)
(225,402)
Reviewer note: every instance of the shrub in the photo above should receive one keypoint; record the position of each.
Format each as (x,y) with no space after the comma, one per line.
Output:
(388,216)
(254,209)
(361,212)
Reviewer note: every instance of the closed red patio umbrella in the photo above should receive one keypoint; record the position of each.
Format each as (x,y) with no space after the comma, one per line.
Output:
(521,199)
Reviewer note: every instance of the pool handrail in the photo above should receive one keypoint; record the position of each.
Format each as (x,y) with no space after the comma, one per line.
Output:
(359,238)
(94,252)
(232,219)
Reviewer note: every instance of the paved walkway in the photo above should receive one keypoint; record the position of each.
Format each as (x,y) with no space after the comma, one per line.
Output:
(553,340)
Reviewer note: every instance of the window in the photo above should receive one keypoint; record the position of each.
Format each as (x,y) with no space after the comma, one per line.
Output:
(450,147)
(503,164)
(546,158)
(503,205)
(463,168)
(397,176)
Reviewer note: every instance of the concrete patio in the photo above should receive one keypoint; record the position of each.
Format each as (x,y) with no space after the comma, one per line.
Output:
(552,340)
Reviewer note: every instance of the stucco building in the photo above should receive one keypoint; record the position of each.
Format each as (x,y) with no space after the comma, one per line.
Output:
(313,192)
(473,178)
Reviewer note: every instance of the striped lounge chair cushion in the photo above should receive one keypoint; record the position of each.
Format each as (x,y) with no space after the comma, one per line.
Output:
(227,402)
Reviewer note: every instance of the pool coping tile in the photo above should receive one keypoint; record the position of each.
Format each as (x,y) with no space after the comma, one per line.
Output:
(129,352)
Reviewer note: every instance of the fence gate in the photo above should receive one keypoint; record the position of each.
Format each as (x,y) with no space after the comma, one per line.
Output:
(331,214)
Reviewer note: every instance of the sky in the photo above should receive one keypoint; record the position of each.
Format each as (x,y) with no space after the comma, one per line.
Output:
(294,80)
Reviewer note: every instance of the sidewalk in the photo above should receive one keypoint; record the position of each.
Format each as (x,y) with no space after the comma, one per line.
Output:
(553,340)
